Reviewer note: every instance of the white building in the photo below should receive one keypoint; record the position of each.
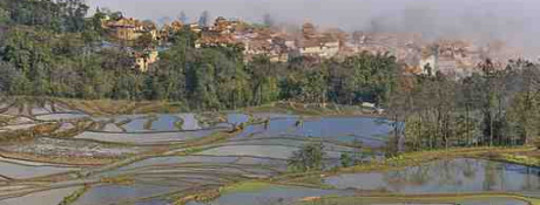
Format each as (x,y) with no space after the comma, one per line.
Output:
(319,49)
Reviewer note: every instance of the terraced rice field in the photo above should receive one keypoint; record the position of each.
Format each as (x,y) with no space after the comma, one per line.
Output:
(52,152)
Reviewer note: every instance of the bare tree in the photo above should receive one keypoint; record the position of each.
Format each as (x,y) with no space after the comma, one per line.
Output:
(268,20)
(183,17)
(204,19)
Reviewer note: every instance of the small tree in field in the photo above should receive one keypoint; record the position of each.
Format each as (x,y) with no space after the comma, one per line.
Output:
(346,160)
(308,158)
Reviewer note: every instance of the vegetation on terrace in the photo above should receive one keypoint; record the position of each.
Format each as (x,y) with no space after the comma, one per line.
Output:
(421,199)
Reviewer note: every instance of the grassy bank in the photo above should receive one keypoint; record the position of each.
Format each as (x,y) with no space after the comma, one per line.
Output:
(66,160)
(251,186)
(106,107)
(313,109)
(119,107)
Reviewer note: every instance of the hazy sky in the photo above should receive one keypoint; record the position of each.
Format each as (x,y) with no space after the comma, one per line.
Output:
(517,21)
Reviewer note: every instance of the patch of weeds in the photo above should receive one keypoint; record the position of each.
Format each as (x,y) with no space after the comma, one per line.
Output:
(179,124)
(74,196)
(122,180)
(253,186)
(519,159)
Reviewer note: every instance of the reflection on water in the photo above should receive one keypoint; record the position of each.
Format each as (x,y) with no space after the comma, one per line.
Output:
(237,118)
(153,123)
(370,131)
(447,176)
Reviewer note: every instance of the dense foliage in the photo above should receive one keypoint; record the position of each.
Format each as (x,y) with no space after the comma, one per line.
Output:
(50,48)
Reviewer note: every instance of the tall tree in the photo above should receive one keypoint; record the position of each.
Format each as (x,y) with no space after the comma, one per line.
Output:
(183,17)
(268,20)
(204,19)
(74,13)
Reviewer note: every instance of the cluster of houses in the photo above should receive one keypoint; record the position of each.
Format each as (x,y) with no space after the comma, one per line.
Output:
(451,57)
(460,58)
(278,45)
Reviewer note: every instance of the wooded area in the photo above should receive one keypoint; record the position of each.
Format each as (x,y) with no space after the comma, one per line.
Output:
(58,52)
(492,107)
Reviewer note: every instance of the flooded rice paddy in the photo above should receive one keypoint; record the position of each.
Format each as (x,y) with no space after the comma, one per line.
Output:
(165,158)
(12,170)
(54,196)
(370,131)
(438,177)
(275,194)
(446,176)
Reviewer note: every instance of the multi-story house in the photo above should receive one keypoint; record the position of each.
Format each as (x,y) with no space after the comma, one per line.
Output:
(129,29)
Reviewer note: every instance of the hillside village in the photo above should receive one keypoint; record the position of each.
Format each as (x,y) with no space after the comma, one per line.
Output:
(453,57)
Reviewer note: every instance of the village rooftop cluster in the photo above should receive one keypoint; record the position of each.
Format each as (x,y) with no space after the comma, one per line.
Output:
(455,57)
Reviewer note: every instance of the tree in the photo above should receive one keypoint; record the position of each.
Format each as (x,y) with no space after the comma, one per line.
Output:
(264,80)
(184,39)
(204,19)
(401,106)
(315,88)
(308,158)
(467,97)
(74,14)
(145,41)
(183,17)
(4,16)
(165,20)
(268,20)
(116,15)
(346,160)
(8,74)
(524,109)
(58,16)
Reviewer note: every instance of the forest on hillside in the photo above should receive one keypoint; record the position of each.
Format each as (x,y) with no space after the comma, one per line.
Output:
(50,48)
